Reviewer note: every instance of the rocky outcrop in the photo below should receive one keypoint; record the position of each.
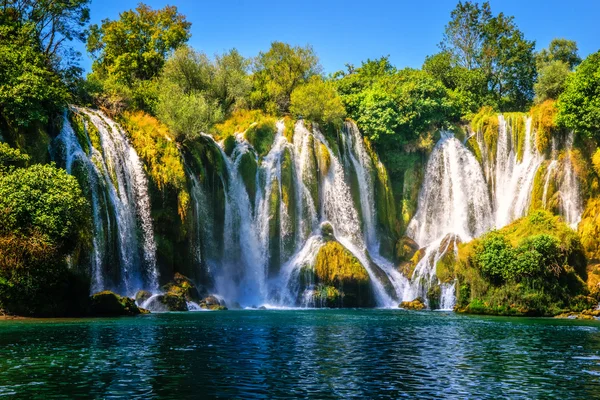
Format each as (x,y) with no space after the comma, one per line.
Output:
(109,304)
(417,304)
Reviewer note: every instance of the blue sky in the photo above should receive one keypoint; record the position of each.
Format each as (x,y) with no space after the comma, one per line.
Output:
(351,31)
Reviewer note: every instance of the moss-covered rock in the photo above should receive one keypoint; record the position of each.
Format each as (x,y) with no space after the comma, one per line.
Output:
(543,124)
(173,301)
(274,229)
(109,304)
(336,267)
(261,136)
(327,231)
(142,296)
(288,202)
(417,304)
(248,168)
(182,286)
(534,266)
(323,159)
(212,303)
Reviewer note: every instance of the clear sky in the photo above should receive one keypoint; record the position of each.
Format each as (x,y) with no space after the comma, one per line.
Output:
(352,31)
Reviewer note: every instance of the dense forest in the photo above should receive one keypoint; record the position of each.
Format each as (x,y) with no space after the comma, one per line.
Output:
(168,97)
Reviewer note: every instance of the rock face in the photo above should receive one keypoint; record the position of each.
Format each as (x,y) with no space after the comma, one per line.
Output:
(110,304)
(338,279)
(417,304)
(142,296)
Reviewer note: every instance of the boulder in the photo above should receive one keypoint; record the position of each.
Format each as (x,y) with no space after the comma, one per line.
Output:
(110,304)
(142,296)
(406,249)
(182,286)
(327,231)
(417,304)
(338,279)
(173,302)
(212,303)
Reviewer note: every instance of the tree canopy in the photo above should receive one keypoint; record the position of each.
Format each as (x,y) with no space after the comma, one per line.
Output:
(278,72)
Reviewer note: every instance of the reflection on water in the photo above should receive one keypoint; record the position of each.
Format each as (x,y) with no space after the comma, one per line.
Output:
(320,353)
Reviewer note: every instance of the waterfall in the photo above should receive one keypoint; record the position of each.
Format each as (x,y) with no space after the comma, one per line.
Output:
(457,198)
(120,203)
(514,178)
(571,206)
(454,197)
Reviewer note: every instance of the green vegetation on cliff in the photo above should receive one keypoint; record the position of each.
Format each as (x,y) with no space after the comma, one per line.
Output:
(534,266)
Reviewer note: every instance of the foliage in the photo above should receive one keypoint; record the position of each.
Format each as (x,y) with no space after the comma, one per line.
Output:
(396,106)
(468,87)
(162,158)
(261,136)
(534,266)
(477,39)
(10,157)
(579,104)
(543,123)
(562,50)
(43,217)
(318,101)
(551,81)
(135,46)
(278,72)
(131,51)
(30,91)
(259,129)
(196,92)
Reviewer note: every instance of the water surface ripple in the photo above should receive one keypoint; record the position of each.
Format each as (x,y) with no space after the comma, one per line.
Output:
(312,353)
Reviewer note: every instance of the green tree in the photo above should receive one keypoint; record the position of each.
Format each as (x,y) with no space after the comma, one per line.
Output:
(551,81)
(30,92)
(559,50)
(54,22)
(319,101)
(43,216)
(478,40)
(464,36)
(197,92)
(278,72)
(579,104)
(135,46)
(468,86)
(554,65)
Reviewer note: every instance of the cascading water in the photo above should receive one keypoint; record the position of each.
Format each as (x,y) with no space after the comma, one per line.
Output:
(458,201)
(453,201)
(120,203)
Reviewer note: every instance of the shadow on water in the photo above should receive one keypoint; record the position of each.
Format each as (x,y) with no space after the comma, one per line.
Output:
(307,353)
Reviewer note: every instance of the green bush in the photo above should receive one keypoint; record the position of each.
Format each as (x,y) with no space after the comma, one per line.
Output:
(43,217)
(318,101)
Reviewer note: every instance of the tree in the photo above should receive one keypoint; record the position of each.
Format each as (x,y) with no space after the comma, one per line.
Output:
(464,35)
(197,92)
(468,86)
(493,44)
(30,92)
(54,22)
(278,72)
(554,66)
(43,216)
(559,50)
(551,81)
(318,101)
(579,104)
(135,46)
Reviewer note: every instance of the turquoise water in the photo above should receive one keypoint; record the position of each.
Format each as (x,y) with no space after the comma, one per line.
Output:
(313,353)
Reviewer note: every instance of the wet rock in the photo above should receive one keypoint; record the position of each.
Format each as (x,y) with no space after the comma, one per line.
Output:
(142,296)
(406,249)
(327,231)
(173,302)
(182,286)
(107,304)
(417,304)
(212,302)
